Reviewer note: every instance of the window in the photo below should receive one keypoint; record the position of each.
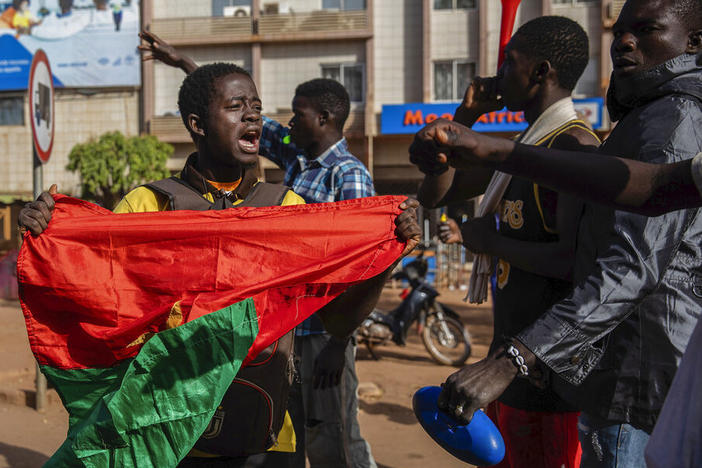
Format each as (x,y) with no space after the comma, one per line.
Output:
(348,74)
(451,78)
(344,4)
(12,110)
(453,4)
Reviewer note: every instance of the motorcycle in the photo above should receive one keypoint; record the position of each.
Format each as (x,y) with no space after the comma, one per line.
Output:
(440,328)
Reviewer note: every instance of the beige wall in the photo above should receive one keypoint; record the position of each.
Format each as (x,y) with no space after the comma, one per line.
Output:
(167,80)
(182,8)
(284,66)
(454,34)
(78,118)
(398,51)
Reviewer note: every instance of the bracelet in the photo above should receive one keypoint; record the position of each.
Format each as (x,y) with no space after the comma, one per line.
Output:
(517,359)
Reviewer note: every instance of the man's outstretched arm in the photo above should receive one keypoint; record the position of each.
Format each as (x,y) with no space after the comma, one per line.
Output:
(650,189)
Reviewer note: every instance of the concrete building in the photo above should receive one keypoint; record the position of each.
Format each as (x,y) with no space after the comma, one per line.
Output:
(386,52)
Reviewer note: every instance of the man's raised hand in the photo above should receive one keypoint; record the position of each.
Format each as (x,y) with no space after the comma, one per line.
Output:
(480,97)
(35,216)
(164,52)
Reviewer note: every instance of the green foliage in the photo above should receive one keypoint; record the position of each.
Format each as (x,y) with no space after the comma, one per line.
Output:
(112,165)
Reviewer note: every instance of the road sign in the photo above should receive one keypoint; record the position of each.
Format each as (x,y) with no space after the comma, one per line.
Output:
(41,105)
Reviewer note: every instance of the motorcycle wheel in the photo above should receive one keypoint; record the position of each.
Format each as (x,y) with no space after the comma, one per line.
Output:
(445,338)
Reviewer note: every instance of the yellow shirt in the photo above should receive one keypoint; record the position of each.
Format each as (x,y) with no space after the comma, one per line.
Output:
(144,200)
(22,19)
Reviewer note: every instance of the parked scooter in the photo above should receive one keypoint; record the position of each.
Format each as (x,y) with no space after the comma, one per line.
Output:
(440,328)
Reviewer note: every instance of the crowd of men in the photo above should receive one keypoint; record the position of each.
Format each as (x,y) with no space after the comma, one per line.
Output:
(598,248)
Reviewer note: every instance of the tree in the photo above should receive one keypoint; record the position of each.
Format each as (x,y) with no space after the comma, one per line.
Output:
(112,165)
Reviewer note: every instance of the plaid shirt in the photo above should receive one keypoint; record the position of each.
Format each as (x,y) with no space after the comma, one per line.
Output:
(333,176)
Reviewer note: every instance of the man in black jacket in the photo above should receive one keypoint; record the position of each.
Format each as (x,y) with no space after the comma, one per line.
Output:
(622,331)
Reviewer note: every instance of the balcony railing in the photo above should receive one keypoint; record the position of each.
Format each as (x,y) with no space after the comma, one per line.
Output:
(171,129)
(205,30)
(342,24)
(315,25)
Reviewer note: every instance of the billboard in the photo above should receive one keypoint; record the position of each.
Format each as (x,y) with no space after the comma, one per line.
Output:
(410,118)
(90,43)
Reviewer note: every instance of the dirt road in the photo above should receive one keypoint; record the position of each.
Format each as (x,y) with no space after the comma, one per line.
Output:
(27,438)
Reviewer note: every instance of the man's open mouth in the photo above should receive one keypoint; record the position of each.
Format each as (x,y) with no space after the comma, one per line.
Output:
(249,141)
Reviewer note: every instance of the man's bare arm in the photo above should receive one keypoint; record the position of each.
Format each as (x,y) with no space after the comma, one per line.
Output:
(650,189)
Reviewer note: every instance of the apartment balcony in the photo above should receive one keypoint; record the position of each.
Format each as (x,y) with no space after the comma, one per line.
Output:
(203,30)
(315,25)
(171,129)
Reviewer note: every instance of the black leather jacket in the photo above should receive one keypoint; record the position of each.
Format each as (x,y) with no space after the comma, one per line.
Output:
(620,335)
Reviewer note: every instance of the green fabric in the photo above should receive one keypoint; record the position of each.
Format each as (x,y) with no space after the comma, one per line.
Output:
(155,407)
(81,389)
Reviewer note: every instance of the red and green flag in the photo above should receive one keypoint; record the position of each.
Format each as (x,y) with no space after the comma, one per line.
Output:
(141,321)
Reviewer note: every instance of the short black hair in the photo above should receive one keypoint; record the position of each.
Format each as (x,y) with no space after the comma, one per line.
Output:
(561,41)
(689,12)
(327,95)
(197,89)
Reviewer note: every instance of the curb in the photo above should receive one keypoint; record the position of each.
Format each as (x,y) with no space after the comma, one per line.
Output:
(26,397)
(18,388)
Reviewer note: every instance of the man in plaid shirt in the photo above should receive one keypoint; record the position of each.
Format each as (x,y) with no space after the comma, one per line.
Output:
(319,167)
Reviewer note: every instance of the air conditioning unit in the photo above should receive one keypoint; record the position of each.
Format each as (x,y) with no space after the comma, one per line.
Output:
(240,10)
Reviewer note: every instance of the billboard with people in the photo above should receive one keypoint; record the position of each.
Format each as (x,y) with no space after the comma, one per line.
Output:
(90,43)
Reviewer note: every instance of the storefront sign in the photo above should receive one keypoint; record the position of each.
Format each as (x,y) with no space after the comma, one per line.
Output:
(410,118)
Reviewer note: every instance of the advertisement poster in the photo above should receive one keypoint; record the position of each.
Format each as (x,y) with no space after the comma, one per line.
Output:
(90,43)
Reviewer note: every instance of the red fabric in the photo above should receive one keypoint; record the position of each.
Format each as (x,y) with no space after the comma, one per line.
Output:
(535,438)
(509,13)
(95,281)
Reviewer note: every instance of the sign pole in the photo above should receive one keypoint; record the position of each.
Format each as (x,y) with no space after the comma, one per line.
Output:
(41,116)
(37,174)
(40,381)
